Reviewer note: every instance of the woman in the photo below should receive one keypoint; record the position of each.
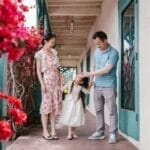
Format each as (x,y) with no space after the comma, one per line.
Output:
(73,113)
(47,70)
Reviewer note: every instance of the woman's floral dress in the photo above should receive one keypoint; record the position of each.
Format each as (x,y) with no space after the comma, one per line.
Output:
(52,98)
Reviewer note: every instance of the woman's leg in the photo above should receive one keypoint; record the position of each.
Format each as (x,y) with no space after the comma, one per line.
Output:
(44,120)
(53,122)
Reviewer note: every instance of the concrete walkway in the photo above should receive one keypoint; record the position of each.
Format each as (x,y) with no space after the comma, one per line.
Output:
(34,141)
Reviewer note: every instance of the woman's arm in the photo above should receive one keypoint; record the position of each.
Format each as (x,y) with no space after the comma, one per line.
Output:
(38,68)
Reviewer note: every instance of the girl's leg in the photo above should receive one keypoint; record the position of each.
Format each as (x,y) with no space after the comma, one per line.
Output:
(44,120)
(69,137)
(74,132)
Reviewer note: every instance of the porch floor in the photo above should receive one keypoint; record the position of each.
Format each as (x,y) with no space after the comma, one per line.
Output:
(34,141)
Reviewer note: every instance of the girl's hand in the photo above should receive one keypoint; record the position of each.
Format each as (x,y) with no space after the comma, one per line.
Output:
(43,88)
(91,83)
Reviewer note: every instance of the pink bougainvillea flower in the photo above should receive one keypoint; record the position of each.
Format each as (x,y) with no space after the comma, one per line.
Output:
(18,116)
(5,130)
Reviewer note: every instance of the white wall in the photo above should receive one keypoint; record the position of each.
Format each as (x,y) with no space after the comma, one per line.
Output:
(144,58)
(31,15)
(108,22)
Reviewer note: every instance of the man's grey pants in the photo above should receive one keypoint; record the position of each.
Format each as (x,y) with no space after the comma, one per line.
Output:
(108,95)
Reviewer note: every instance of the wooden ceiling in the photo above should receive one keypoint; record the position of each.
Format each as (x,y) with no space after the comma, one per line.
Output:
(79,14)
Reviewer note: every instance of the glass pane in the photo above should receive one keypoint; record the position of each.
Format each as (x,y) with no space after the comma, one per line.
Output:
(128,62)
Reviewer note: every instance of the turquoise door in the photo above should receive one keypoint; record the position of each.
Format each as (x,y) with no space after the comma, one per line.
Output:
(128,98)
(3,66)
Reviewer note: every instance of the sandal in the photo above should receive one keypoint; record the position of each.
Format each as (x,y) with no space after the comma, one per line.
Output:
(47,137)
(55,137)
(75,136)
(70,137)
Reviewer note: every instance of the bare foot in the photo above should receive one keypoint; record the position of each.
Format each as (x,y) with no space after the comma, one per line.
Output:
(75,136)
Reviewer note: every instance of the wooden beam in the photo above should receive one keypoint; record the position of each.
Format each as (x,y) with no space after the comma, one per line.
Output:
(75,18)
(64,25)
(68,63)
(67,23)
(74,4)
(59,32)
(69,38)
(73,43)
(75,12)
(69,46)
(75,1)
(72,52)
(69,57)
(68,35)
(61,44)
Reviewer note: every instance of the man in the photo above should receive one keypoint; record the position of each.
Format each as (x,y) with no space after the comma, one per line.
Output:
(105,64)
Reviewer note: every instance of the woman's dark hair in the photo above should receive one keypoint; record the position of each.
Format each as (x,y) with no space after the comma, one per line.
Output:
(101,35)
(48,37)
(85,84)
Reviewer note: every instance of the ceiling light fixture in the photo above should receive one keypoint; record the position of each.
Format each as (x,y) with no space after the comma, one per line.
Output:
(71,26)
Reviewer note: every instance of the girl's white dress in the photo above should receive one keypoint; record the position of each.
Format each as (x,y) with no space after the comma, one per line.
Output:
(73,114)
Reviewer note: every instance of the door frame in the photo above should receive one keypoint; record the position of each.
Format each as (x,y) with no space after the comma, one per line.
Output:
(3,83)
(123,113)
(88,69)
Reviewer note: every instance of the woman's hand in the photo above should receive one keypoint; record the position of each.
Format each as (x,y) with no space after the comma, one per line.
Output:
(43,87)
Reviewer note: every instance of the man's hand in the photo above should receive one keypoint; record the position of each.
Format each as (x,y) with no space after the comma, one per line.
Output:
(86,74)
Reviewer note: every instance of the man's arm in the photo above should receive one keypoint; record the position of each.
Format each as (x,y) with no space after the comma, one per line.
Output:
(107,68)
(100,72)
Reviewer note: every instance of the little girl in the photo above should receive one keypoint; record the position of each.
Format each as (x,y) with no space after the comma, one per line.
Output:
(73,112)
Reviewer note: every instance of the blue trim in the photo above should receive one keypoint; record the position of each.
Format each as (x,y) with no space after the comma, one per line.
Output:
(3,62)
(43,17)
(126,116)
(88,66)
(137,65)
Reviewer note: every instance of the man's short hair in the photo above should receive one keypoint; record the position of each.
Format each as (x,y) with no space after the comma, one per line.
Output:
(101,35)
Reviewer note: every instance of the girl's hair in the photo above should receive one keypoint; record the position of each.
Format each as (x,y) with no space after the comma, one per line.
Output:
(48,37)
(81,94)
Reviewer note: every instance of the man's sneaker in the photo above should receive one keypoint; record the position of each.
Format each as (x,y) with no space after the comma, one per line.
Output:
(112,138)
(97,136)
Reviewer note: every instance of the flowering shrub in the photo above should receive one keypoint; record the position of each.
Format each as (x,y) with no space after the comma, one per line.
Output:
(15,38)
(15,113)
